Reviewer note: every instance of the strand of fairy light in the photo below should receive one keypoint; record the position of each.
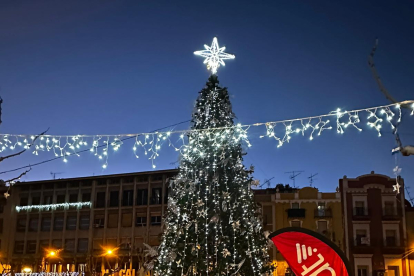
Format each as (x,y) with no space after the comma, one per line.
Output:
(152,142)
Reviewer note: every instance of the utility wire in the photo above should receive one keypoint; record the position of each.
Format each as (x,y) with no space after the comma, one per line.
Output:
(85,150)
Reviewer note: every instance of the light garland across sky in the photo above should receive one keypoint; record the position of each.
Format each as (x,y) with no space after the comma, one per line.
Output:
(150,144)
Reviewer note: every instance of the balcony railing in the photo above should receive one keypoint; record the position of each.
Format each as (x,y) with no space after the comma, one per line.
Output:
(362,241)
(360,212)
(296,213)
(323,213)
(391,241)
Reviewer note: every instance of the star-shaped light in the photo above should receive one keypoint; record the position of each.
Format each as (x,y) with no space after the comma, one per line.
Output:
(214,56)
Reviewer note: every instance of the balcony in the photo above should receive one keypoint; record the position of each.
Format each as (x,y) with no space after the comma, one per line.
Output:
(296,213)
(362,241)
(390,214)
(391,242)
(323,213)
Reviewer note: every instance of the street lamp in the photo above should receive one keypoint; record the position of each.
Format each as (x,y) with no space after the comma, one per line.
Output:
(27,269)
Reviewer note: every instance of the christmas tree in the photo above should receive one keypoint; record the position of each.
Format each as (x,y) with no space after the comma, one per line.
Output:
(212,225)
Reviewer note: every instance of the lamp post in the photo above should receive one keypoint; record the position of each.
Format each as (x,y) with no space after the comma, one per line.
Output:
(51,253)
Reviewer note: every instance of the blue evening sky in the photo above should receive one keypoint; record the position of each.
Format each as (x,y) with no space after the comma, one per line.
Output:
(93,67)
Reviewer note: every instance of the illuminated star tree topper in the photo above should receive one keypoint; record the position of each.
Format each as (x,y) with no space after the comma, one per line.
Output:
(214,56)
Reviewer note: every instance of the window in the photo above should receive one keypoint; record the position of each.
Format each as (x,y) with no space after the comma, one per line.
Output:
(114,181)
(86,197)
(100,200)
(18,247)
(35,200)
(295,223)
(141,220)
(48,186)
(128,180)
(73,198)
(166,195)
(47,199)
(37,187)
(61,185)
(361,237)
(82,245)
(390,237)
(142,197)
(389,209)
(70,245)
(24,201)
(73,184)
(31,247)
(71,222)
(126,219)
(99,221)
(139,242)
(113,220)
(155,220)
(295,205)
(323,227)
(87,183)
(33,223)
(142,179)
(125,243)
(57,244)
(46,224)
(111,242)
(114,199)
(44,244)
(128,198)
(393,271)
(58,224)
(362,271)
(321,209)
(97,244)
(359,208)
(60,199)
(156,196)
(21,224)
(84,221)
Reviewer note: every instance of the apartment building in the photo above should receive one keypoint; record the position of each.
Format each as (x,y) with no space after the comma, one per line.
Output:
(83,217)
(375,225)
(306,207)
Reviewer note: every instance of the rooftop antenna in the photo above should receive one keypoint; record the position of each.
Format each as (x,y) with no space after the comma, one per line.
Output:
(54,174)
(267,181)
(293,175)
(311,178)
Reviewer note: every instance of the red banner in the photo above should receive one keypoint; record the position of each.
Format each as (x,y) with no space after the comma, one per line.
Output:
(309,253)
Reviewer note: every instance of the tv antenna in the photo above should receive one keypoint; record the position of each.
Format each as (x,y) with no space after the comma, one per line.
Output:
(293,175)
(311,178)
(267,181)
(54,174)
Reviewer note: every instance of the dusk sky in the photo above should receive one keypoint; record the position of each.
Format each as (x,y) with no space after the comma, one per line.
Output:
(108,67)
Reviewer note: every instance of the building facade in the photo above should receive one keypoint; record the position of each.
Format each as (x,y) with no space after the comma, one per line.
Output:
(83,218)
(375,225)
(307,208)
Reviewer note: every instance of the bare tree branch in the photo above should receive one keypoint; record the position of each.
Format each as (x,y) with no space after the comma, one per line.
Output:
(28,147)
(377,77)
(18,177)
